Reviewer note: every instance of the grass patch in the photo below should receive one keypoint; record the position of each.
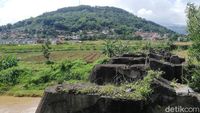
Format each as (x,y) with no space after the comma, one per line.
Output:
(139,90)
(25,93)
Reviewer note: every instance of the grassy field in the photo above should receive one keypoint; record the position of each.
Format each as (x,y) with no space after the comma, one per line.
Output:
(37,57)
(87,50)
(71,46)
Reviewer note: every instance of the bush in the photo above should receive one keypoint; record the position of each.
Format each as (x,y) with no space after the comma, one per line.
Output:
(103,60)
(74,70)
(10,76)
(40,77)
(144,86)
(7,62)
(195,80)
(115,47)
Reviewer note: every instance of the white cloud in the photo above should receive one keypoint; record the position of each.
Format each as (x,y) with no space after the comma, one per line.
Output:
(15,10)
(144,13)
(160,11)
(164,12)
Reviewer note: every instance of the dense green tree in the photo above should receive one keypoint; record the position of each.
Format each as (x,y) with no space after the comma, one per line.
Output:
(193,25)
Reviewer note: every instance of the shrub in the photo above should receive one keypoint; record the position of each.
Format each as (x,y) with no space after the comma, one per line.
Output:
(10,76)
(42,77)
(103,60)
(74,70)
(195,80)
(144,86)
(7,62)
(115,47)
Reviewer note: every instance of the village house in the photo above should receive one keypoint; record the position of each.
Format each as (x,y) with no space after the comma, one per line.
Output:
(149,35)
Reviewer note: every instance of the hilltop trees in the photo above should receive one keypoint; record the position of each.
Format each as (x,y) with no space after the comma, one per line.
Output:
(85,19)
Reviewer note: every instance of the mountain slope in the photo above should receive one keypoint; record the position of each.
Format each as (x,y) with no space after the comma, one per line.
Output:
(83,19)
(181,29)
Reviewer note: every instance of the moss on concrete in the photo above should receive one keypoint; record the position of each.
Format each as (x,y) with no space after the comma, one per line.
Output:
(139,90)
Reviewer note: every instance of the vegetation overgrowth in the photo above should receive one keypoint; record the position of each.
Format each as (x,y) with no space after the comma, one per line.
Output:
(139,90)
(28,77)
(24,71)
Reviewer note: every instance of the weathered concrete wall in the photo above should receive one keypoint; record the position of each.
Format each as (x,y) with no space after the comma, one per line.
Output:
(127,60)
(170,71)
(116,73)
(71,103)
(181,101)
(65,103)
(132,67)
(163,96)
(134,55)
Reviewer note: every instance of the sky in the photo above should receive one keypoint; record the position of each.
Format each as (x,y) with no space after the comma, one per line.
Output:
(164,12)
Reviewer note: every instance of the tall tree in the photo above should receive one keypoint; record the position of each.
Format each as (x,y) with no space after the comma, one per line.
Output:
(46,50)
(193,26)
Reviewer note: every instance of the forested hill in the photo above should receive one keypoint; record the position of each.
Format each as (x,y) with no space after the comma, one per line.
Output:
(83,20)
